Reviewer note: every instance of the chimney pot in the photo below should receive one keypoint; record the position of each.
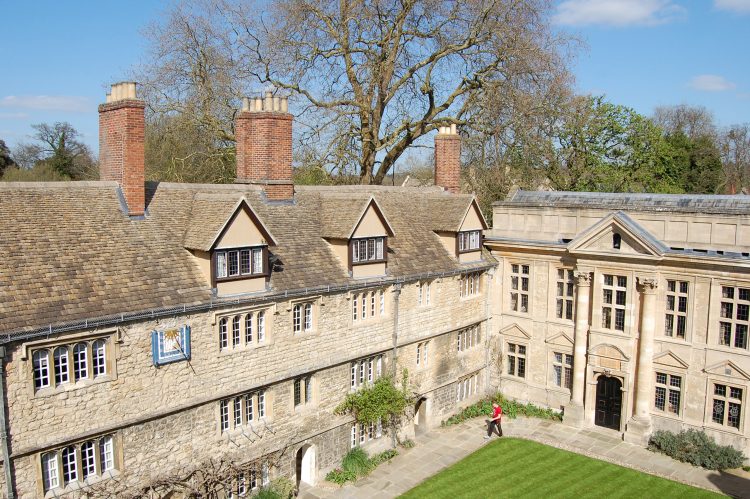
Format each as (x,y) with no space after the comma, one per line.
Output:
(245,104)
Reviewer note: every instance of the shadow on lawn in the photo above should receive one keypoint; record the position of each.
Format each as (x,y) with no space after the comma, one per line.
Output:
(731,485)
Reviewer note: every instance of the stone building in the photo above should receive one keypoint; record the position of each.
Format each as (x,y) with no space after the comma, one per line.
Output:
(151,329)
(628,311)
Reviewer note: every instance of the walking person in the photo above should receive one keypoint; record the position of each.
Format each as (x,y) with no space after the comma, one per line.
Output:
(494,424)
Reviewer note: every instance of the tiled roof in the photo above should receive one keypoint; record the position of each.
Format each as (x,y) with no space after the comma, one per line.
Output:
(70,253)
(689,203)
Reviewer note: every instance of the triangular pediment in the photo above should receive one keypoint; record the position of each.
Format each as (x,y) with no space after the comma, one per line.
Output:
(371,222)
(609,351)
(221,222)
(515,330)
(617,229)
(670,359)
(560,339)
(727,368)
(473,218)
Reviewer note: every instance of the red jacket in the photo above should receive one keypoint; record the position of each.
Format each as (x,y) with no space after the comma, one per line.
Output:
(497,412)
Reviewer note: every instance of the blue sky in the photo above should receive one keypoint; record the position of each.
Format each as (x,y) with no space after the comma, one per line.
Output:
(58,57)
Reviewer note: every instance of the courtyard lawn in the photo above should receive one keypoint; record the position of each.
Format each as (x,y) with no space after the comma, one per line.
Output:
(510,467)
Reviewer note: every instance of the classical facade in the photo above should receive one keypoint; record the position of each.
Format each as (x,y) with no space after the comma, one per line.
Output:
(627,311)
(151,330)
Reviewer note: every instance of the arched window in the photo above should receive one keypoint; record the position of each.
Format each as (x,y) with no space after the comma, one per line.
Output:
(616,240)
(249,328)
(61,365)
(236,331)
(80,361)
(223,335)
(99,357)
(41,369)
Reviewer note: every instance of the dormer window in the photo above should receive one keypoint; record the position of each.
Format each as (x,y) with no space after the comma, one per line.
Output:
(368,250)
(469,240)
(239,262)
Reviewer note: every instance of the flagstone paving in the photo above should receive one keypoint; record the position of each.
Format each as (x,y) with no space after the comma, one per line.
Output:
(442,447)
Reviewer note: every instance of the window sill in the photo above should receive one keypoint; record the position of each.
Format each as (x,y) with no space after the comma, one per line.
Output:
(610,332)
(723,429)
(562,322)
(670,339)
(522,315)
(72,487)
(71,387)
(470,297)
(665,415)
(244,348)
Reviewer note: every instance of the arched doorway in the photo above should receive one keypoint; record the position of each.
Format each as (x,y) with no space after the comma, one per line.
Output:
(305,465)
(608,402)
(420,416)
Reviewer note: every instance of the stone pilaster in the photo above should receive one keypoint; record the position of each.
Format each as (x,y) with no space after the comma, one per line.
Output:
(574,414)
(639,426)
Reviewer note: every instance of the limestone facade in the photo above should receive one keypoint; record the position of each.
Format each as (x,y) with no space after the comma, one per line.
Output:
(631,310)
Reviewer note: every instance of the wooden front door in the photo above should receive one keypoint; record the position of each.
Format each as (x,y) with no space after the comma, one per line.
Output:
(608,402)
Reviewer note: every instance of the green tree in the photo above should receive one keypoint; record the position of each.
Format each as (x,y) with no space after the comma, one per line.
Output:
(5,160)
(58,147)
(696,163)
(607,147)
(380,402)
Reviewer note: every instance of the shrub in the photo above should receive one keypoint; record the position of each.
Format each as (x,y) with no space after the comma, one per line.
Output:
(357,462)
(511,410)
(407,443)
(697,448)
(340,476)
(283,487)
(383,457)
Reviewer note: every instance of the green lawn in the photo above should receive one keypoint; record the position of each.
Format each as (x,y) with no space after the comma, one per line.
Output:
(510,467)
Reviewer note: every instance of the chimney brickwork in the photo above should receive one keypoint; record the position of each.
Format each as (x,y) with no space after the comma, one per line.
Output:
(121,144)
(448,159)
(263,131)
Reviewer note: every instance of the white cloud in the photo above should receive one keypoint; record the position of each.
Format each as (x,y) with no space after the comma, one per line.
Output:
(711,83)
(617,12)
(741,6)
(13,116)
(47,103)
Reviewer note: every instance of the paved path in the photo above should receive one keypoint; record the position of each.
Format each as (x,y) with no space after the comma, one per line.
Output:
(442,447)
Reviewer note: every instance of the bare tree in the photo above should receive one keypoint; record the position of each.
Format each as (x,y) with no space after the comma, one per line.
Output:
(372,77)
(57,147)
(692,121)
(735,155)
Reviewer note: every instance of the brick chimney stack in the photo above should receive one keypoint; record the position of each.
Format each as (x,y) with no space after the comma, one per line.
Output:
(121,137)
(264,145)
(448,159)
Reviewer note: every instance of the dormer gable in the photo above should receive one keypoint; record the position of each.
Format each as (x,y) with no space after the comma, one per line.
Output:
(462,229)
(231,245)
(368,242)
(618,234)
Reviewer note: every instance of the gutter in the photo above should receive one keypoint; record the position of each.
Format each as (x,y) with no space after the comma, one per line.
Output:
(4,430)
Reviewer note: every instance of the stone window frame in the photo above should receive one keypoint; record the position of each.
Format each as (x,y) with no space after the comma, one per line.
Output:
(664,292)
(425,295)
(515,269)
(422,357)
(112,339)
(682,389)
(712,381)
(371,301)
(468,241)
(307,385)
(467,386)
(259,315)
(470,285)
(359,438)
(257,413)
(564,352)
(468,338)
(517,355)
(314,303)
(365,371)
(55,455)
(597,287)
(555,281)
(736,301)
